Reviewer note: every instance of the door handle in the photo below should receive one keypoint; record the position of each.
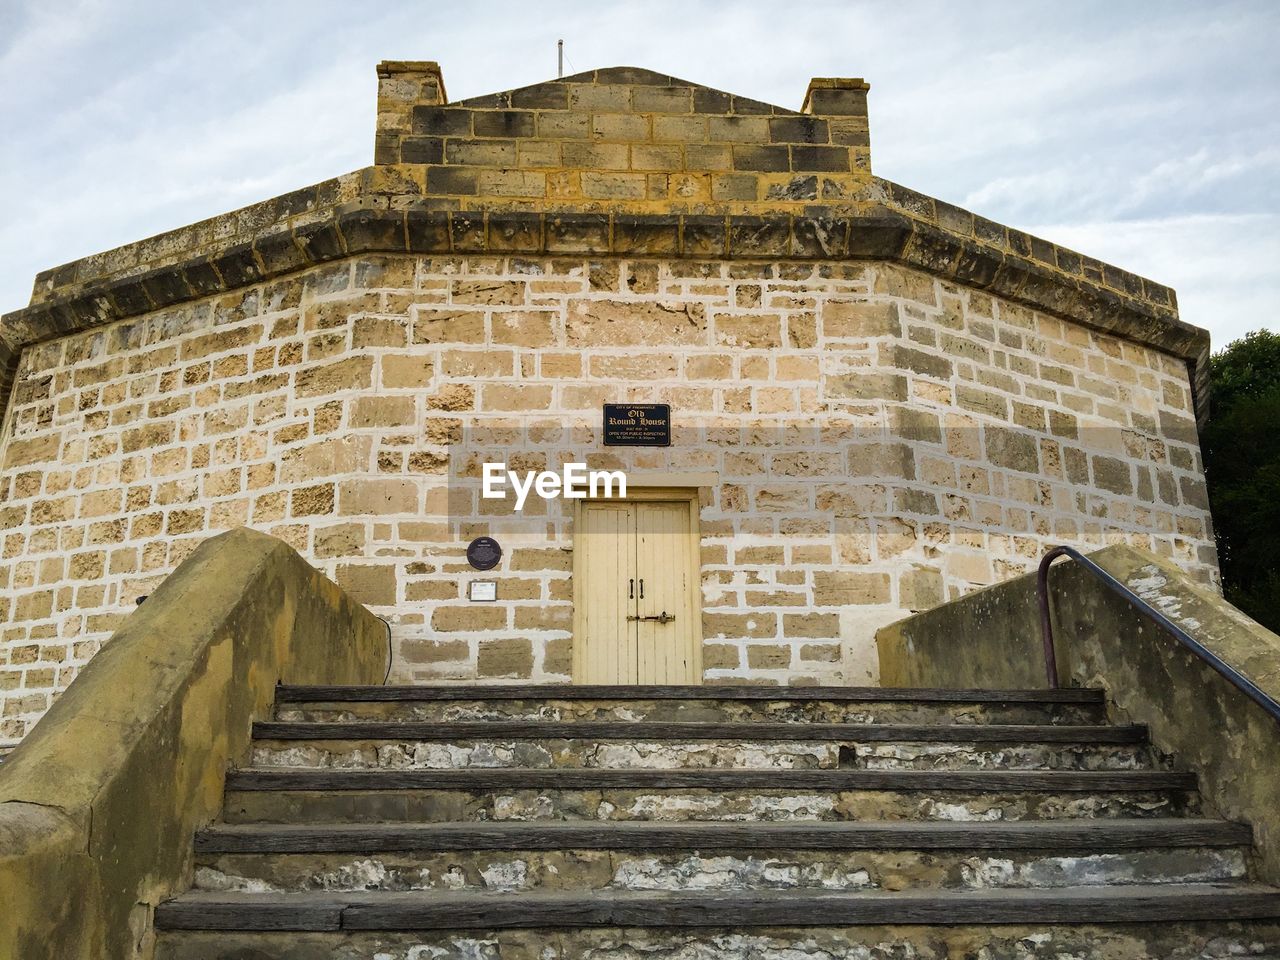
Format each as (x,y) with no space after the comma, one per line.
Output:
(662,617)
(631,589)
(642,588)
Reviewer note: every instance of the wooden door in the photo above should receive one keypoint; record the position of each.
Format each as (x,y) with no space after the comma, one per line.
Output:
(636,593)
(607,651)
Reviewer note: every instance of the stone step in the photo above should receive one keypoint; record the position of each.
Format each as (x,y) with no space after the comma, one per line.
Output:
(700,745)
(554,910)
(724,704)
(776,754)
(721,856)
(762,869)
(292,693)
(656,731)
(1203,940)
(284,795)
(385,837)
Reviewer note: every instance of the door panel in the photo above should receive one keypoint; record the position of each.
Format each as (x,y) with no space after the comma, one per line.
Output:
(609,648)
(662,563)
(636,560)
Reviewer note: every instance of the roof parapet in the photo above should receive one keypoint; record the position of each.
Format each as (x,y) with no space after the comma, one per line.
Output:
(836,97)
(402,85)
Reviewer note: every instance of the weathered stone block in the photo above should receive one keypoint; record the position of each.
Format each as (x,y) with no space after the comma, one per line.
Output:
(811,625)
(378,497)
(468,618)
(773,159)
(652,235)
(626,323)
(442,121)
(525,328)
(503,123)
(982,401)
(832,159)
(867,386)
(613,186)
(1113,474)
(505,658)
(578,233)
(920,588)
(435,651)
(917,361)
(370,584)
(752,331)
(888,460)
(1011,449)
(377,411)
(798,129)
(735,625)
(422,150)
(833,588)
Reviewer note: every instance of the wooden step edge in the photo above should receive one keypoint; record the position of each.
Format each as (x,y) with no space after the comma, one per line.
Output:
(432,910)
(1099,836)
(452,692)
(661,730)
(578,778)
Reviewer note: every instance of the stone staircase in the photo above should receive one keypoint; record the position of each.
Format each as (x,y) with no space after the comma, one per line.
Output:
(556,823)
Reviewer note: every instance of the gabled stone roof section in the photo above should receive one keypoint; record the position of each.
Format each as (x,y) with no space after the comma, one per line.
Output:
(616,162)
(551,92)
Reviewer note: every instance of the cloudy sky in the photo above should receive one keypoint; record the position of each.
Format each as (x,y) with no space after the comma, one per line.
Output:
(1144,133)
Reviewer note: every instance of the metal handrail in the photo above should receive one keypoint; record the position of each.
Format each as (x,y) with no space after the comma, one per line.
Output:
(1233,676)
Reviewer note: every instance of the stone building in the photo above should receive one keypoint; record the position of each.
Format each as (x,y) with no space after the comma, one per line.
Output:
(878,401)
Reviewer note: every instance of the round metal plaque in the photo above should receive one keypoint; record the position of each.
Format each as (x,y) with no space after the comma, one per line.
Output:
(483,553)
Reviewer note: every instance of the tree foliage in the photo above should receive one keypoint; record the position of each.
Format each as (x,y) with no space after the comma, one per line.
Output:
(1242,463)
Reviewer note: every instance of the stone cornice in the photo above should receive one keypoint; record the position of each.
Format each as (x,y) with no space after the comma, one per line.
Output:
(883,222)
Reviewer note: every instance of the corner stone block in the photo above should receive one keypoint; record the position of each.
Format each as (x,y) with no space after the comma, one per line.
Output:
(836,96)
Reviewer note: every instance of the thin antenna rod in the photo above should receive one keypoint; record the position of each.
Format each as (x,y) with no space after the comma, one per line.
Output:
(559,58)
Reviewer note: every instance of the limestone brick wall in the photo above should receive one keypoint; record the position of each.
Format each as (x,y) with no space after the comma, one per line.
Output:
(882,440)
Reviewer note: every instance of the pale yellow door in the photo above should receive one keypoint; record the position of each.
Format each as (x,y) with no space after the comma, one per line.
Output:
(607,651)
(637,620)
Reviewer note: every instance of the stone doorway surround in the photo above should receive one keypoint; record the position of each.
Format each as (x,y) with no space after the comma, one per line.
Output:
(647,488)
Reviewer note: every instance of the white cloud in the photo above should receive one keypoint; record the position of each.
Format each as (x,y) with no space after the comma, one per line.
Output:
(1142,134)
